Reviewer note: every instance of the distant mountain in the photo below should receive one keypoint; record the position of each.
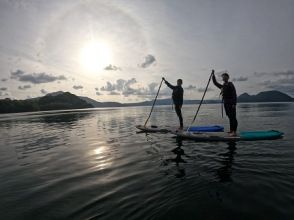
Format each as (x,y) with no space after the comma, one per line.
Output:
(268,96)
(96,104)
(55,93)
(65,100)
(61,101)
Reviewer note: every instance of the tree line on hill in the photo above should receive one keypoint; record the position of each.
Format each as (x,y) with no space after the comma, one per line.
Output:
(66,100)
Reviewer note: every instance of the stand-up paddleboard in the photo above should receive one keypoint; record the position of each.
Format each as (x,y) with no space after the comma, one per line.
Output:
(211,128)
(166,129)
(243,136)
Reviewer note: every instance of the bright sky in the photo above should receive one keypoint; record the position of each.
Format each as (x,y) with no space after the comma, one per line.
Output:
(119,50)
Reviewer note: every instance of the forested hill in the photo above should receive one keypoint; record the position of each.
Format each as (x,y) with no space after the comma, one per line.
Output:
(65,100)
(268,96)
(60,101)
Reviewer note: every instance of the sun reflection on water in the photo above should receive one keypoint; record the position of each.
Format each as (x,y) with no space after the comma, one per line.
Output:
(102,157)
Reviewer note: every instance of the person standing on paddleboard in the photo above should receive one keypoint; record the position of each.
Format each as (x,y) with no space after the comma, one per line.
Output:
(229,95)
(177,96)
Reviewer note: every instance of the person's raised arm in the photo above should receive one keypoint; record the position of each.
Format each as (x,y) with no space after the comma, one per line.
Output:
(215,82)
(168,84)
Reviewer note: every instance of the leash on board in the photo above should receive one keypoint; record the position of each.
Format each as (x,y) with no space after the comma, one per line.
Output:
(153,103)
(200,101)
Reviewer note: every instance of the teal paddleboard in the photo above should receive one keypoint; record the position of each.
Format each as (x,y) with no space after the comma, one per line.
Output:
(222,136)
(260,135)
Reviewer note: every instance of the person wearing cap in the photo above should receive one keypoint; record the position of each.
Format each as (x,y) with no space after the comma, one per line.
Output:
(177,96)
(229,96)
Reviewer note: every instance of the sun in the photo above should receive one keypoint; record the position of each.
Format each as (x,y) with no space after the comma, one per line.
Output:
(95,56)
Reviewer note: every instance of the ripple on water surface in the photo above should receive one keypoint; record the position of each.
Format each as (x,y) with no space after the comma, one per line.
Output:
(92,164)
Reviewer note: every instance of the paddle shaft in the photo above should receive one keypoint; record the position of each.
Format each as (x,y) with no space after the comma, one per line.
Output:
(201,101)
(153,103)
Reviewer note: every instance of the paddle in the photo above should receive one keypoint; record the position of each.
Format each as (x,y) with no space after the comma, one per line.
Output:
(154,102)
(201,100)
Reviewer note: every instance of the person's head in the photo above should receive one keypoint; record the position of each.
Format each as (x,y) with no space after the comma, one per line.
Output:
(179,82)
(225,77)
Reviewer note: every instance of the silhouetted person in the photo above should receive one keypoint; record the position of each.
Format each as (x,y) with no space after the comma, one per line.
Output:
(229,95)
(177,96)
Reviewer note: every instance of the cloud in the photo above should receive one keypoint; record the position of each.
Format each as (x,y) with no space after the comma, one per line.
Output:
(129,91)
(287,73)
(152,87)
(43,91)
(240,79)
(78,87)
(3,94)
(99,93)
(3,80)
(282,84)
(112,67)
(282,88)
(149,59)
(203,89)
(109,87)
(126,88)
(35,78)
(121,85)
(114,93)
(190,87)
(130,82)
(24,87)
(16,74)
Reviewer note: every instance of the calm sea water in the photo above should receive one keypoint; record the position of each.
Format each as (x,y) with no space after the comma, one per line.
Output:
(91,164)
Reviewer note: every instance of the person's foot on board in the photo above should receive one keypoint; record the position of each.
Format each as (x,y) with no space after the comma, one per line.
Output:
(233,134)
(229,132)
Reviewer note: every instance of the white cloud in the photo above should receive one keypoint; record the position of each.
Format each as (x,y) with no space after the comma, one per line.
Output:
(35,78)
(149,59)
(112,67)
(114,93)
(282,84)
(77,87)
(287,73)
(109,87)
(240,79)
(24,87)
(190,87)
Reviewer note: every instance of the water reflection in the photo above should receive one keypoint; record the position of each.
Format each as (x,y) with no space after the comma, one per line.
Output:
(274,106)
(179,152)
(65,119)
(224,173)
(101,157)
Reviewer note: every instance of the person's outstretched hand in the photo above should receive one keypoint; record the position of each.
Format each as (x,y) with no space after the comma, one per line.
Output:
(163,78)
